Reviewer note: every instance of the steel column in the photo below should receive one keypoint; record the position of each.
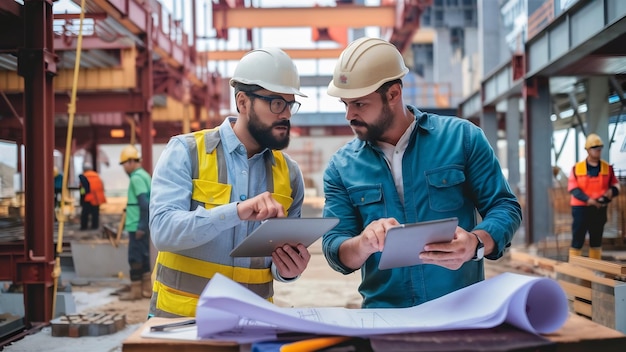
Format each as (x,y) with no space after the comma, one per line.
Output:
(538,130)
(37,64)
(146,86)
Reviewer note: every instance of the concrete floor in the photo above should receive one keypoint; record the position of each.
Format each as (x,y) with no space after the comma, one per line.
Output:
(82,301)
(44,341)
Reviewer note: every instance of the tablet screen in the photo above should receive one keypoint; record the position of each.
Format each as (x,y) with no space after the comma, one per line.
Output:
(276,232)
(404,243)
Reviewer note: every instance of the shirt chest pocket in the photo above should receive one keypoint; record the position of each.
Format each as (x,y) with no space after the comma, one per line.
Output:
(369,201)
(210,194)
(445,188)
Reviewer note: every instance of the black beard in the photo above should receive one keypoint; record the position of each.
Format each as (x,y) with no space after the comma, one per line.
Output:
(374,132)
(264,135)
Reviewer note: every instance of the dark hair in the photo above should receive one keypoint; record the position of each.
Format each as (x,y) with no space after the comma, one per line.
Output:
(240,87)
(382,90)
(246,88)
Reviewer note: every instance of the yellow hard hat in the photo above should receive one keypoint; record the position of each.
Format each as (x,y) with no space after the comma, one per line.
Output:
(270,68)
(364,66)
(593,140)
(129,153)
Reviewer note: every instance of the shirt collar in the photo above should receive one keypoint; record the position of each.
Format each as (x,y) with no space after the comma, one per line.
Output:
(423,122)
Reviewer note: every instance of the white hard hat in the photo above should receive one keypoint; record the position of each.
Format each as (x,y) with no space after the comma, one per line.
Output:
(270,68)
(364,66)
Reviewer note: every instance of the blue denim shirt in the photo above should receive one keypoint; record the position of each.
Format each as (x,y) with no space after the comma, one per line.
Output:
(449,170)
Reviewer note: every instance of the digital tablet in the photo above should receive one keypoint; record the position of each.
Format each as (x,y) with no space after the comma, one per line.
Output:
(404,243)
(276,232)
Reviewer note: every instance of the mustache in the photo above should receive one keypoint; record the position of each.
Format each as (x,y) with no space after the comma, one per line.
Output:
(283,123)
(357,123)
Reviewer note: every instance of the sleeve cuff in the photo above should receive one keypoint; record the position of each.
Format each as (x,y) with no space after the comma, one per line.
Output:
(279,278)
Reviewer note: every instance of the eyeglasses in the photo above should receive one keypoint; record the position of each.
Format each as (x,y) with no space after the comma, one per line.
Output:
(278,104)
(597,147)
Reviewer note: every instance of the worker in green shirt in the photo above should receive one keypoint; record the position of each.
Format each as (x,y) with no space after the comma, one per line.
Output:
(136,224)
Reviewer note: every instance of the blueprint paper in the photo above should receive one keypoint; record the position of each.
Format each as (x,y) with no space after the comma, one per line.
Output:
(229,311)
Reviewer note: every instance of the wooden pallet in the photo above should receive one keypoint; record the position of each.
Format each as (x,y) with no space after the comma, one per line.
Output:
(596,289)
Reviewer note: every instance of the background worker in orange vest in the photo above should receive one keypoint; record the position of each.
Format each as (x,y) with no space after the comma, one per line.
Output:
(91,196)
(592,184)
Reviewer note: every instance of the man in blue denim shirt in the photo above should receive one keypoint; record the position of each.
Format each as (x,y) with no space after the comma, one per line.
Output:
(407,166)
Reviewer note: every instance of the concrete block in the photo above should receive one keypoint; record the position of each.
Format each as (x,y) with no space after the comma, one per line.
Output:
(65,304)
(98,258)
(13,303)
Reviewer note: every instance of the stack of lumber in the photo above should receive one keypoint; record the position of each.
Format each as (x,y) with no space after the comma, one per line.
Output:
(596,289)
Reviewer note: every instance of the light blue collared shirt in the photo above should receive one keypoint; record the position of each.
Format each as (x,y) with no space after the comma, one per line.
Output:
(176,228)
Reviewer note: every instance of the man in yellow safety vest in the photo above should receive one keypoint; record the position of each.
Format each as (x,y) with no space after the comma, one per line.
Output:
(211,188)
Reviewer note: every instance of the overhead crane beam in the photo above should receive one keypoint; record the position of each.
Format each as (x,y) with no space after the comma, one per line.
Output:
(352,16)
(293,53)
(399,19)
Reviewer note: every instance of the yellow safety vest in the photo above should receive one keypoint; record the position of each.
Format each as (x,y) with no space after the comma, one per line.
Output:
(180,279)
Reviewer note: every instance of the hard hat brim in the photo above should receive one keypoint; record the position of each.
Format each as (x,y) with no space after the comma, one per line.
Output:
(335,91)
(271,87)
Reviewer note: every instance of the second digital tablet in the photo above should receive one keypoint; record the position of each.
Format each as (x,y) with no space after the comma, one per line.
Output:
(404,243)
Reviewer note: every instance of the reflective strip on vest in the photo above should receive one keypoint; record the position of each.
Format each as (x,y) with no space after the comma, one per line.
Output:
(181,279)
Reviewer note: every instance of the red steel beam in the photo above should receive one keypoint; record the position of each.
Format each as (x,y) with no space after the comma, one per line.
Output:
(408,13)
(146,85)
(90,42)
(12,19)
(128,102)
(11,7)
(36,63)
(132,14)
(86,103)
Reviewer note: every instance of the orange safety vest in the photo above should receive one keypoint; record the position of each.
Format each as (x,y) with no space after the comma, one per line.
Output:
(594,186)
(96,188)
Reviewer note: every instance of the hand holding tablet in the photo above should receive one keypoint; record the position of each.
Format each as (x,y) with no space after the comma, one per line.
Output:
(404,243)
